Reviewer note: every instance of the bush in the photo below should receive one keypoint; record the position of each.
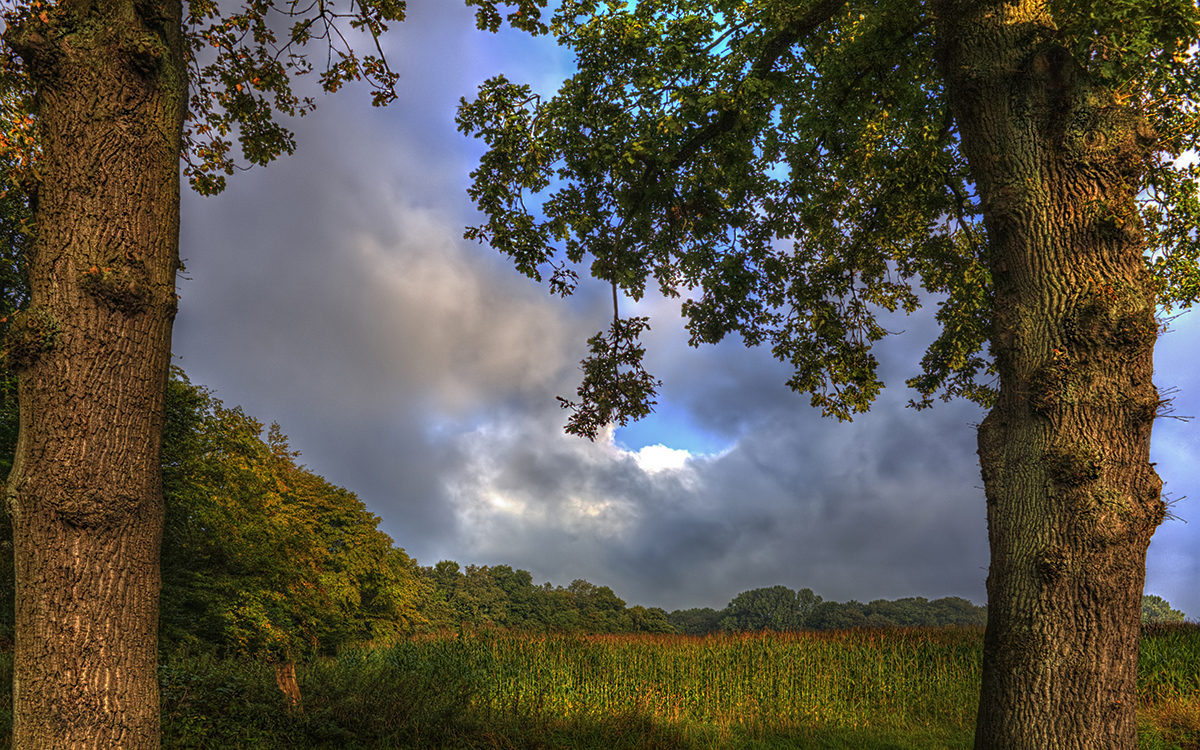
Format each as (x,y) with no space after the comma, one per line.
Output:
(411,691)
(395,697)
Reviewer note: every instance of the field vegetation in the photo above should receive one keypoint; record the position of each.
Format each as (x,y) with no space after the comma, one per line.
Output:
(862,689)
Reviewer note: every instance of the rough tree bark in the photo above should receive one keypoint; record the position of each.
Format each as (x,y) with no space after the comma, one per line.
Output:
(92,352)
(1072,498)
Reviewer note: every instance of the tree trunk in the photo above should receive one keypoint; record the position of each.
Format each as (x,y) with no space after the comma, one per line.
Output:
(1072,498)
(92,352)
(285,678)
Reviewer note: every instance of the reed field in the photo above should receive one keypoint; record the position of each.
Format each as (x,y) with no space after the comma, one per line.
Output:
(752,681)
(862,690)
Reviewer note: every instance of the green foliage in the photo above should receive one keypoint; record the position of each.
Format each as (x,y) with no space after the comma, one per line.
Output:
(868,678)
(1169,661)
(615,387)
(1117,41)
(500,597)
(778,609)
(696,621)
(17,134)
(1157,609)
(836,616)
(648,620)
(262,557)
(793,168)
(920,612)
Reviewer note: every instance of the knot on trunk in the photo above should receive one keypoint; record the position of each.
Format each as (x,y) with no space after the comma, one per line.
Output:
(1052,564)
(1101,137)
(1074,465)
(1114,316)
(1108,516)
(1057,382)
(30,333)
(1143,404)
(121,284)
(145,52)
(88,507)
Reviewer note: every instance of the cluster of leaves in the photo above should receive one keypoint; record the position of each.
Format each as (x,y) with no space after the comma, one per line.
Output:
(795,169)
(261,556)
(242,70)
(498,596)
(241,76)
(19,149)
(244,67)
(1118,40)
(15,229)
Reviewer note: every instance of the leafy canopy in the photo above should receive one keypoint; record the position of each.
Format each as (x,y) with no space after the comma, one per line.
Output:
(792,170)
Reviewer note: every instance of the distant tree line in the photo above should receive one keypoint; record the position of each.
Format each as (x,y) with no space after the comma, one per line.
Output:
(502,597)
(780,609)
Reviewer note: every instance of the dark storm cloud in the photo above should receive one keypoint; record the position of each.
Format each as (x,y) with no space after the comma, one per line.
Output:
(332,292)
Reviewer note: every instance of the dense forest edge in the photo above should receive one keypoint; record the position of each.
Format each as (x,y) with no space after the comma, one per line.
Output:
(263,558)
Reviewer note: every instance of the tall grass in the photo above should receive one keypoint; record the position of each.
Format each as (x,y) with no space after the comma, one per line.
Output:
(1169,686)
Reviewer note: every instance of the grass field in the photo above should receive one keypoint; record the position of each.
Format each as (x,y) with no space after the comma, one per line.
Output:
(867,690)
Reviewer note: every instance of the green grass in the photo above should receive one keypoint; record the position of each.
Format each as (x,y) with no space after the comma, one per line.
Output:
(1169,687)
(862,690)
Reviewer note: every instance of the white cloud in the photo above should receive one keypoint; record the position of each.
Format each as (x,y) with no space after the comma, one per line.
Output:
(656,458)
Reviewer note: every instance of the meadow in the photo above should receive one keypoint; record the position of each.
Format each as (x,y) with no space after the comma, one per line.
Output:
(862,689)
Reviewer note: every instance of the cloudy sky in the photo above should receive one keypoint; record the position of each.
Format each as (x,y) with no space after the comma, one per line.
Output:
(332,292)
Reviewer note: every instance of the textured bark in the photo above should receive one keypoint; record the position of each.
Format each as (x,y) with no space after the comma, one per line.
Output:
(92,352)
(1072,498)
(285,678)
